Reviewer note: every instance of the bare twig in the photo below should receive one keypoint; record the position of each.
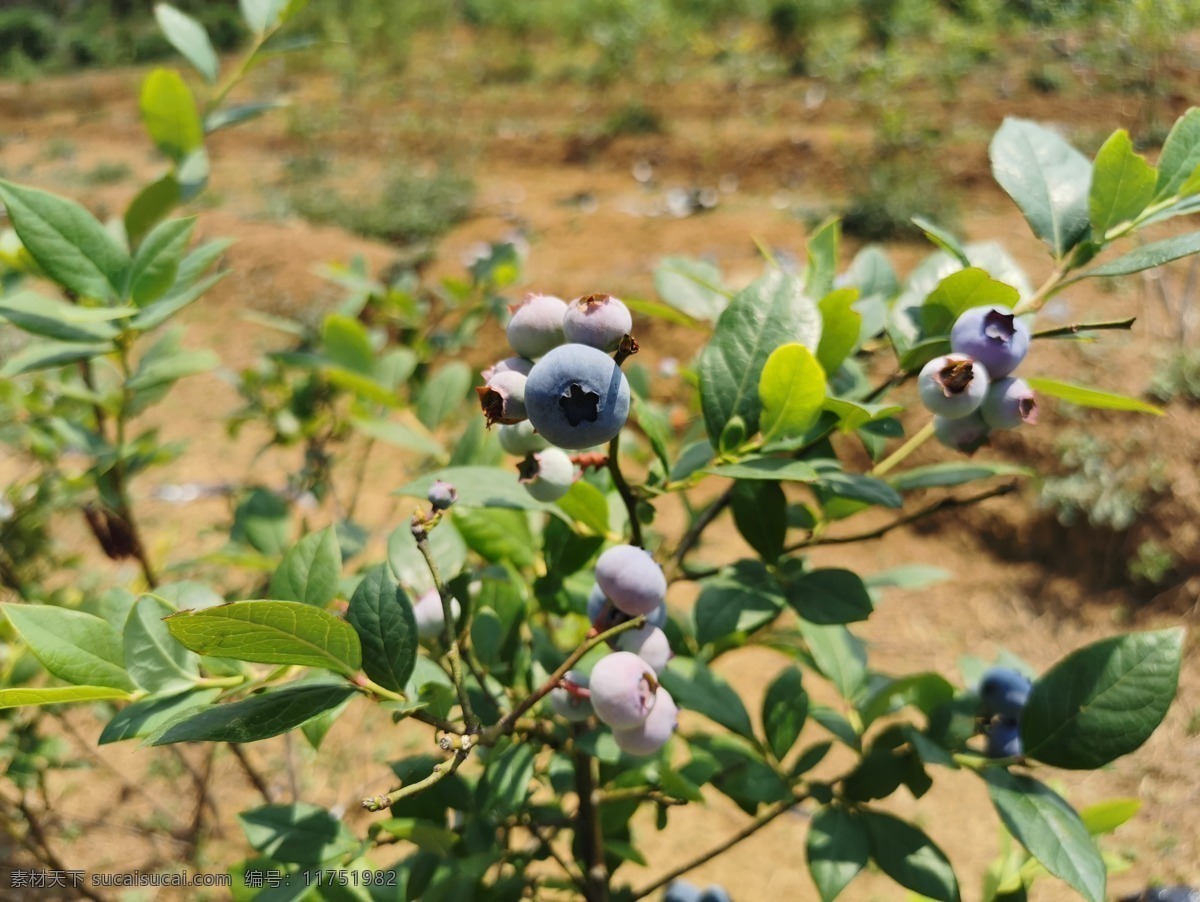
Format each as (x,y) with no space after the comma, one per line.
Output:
(1076,328)
(440,772)
(623,489)
(253,775)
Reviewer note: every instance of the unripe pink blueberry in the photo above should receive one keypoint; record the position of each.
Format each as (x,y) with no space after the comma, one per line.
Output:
(993,336)
(503,398)
(427,610)
(520,365)
(622,688)
(572,705)
(603,614)
(967,434)
(521,438)
(952,386)
(651,734)
(631,579)
(547,475)
(649,643)
(1009,403)
(599,320)
(536,325)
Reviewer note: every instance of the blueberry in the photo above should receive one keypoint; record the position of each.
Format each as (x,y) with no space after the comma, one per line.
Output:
(952,386)
(656,728)
(681,891)
(521,438)
(577,397)
(547,475)
(442,494)
(429,615)
(503,398)
(993,336)
(568,704)
(622,687)
(649,643)
(631,579)
(1004,691)
(520,365)
(613,616)
(715,893)
(536,325)
(598,320)
(1004,739)
(967,434)
(1009,403)
(1163,894)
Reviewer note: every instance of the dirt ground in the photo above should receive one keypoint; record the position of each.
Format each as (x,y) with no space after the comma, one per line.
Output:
(523,141)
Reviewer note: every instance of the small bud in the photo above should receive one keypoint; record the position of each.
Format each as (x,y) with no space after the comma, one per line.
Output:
(442,494)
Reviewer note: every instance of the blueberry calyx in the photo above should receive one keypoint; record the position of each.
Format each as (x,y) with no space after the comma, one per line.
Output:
(579,404)
(955,376)
(999,326)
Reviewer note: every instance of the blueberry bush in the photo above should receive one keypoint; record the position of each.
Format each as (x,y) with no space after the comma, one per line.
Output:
(520,613)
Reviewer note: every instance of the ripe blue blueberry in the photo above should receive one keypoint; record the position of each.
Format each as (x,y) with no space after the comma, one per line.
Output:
(603,618)
(442,494)
(1004,739)
(649,643)
(622,688)
(631,579)
(652,733)
(952,386)
(577,397)
(547,475)
(427,610)
(503,398)
(536,325)
(521,438)
(1004,691)
(681,891)
(993,336)
(598,320)
(967,434)
(715,893)
(572,700)
(1009,403)
(520,365)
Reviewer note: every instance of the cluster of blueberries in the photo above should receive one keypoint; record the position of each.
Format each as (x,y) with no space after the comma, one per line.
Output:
(1003,694)
(562,389)
(969,391)
(622,689)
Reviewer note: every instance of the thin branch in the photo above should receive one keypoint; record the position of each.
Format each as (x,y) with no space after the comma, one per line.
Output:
(591,833)
(545,843)
(253,775)
(626,493)
(745,833)
(638,793)
(440,772)
(38,839)
(1076,328)
(692,537)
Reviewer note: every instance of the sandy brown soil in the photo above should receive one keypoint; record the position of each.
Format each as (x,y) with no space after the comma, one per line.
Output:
(524,144)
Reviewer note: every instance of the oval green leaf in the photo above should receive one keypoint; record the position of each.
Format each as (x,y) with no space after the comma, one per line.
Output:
(1090,397)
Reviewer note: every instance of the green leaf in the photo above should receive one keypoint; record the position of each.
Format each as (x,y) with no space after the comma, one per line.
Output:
(907,576)
(310,570)
(961,291)
(953,473)
(271,632)
(830,596)
(166,363)
(443,394)
(785,708)
(170,116)
(1150,255)
(857,487)
(692,287)
(158,312)
(925,691)
(497,535)
(236,114)
(262,15)
(760,513)
(146,715)
(263,520)
(772,311)
(1180,157)
(505,785)
(67,242)
(586,504)
(412,436)
(57,695)
(348,345)
(1105,817)
(1047,178)
(1090,397)
(421,834)
(156,661)
(792,391)
(854,415)
(838,849)
(149,206)
(157,260)
(909,857)
(40,315)
(188,37)
(1122,184)
(1102,701)
(76,647)
(382,615)
(741,598)
(299,833)
(479,487)
(821,249)
(694,686)
(840,327)
(839,655)
(257,717)
(408,564)
(772,469)
(1049,829)
(943,239)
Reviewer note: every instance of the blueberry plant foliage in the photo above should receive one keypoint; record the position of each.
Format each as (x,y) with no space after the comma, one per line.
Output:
(519,614)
